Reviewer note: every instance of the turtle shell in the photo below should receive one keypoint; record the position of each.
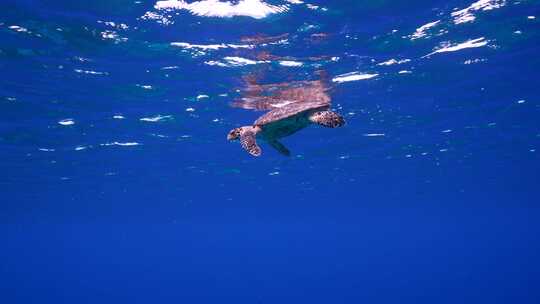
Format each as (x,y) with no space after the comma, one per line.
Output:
(290,110)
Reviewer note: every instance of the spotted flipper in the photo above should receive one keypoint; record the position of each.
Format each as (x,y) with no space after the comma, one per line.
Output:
(327,119)
(248,142)
(280,147)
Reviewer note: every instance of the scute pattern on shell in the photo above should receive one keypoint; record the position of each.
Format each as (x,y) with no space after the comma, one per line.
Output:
(289,111)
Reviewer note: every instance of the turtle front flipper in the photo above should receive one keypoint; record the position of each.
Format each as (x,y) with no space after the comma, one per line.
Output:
(280,147)
(248,142)
(327,119)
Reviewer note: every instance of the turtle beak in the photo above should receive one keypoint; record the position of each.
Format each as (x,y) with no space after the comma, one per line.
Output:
(233,134)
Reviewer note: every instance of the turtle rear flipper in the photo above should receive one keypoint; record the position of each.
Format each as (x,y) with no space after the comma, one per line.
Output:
(327,119)
(248,142)
(280,147)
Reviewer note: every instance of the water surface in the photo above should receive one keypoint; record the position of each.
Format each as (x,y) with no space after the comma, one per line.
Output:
(118,183)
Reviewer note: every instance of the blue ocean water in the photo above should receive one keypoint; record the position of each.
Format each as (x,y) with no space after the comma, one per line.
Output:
(118,184)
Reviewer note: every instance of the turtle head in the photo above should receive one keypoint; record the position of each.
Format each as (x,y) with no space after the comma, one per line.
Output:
(234,134)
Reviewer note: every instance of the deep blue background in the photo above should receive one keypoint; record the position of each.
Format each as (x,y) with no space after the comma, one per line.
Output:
(420,215)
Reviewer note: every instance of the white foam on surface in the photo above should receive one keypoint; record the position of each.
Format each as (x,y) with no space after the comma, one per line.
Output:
(90,72)
(159,18)
(66,122)
(422,31)
(232,61)
(467,14)
(121,26)
(473,61)
(123,144)
(19,29)
(109,34)
(213,8)
(205,47)
(173,67)
(394,61)
(156,118)
(353,76)
(473,43)
(290,63)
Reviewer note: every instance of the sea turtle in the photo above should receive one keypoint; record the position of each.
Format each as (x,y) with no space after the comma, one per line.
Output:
(284,121)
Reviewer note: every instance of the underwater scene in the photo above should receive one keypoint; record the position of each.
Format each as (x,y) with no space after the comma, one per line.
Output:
(270,151)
